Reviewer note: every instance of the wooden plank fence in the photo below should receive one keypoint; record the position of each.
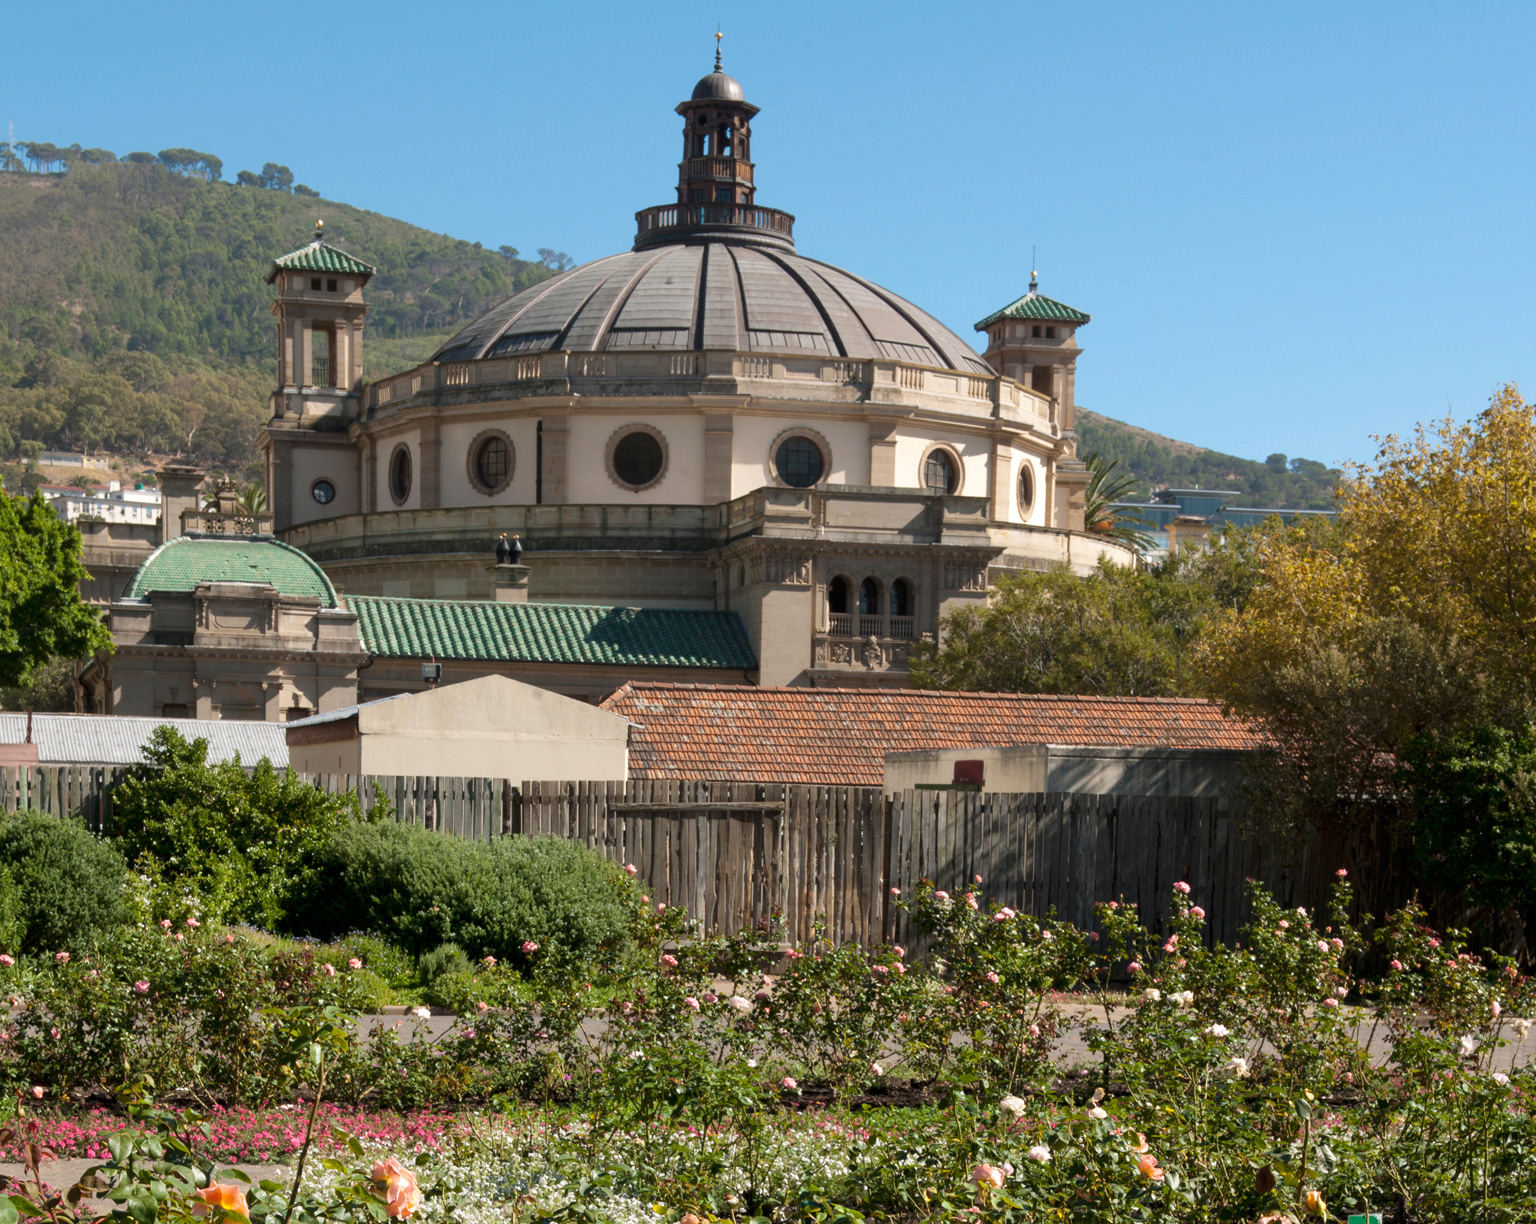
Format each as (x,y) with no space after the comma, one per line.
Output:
(740,853)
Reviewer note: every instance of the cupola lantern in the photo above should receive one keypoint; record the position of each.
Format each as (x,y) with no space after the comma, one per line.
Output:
(717,142)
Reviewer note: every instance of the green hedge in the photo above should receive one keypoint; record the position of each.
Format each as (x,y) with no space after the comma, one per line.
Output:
(420,890)
(67,887)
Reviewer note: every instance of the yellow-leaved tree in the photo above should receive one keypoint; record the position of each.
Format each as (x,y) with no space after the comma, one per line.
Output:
(1373,641)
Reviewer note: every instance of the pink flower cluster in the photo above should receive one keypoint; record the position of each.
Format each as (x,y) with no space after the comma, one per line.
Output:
(257,1135)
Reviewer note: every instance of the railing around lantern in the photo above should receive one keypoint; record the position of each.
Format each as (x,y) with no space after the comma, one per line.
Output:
(678,216)
(321,373)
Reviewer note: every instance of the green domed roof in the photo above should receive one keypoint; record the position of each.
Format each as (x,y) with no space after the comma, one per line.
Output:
(188,560)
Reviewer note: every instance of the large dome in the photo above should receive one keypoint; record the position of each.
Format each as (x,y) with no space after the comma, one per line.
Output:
(713,294)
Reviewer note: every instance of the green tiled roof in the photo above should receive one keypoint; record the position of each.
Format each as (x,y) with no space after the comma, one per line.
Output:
(551,633)
(1036,306)
(319,257)
(182,563)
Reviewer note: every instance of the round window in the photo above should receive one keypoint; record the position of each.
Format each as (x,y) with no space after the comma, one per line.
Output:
(799,462)
(323,491)
(491,463)
(939,473)
(400,474)
(637,458)
(1026,488)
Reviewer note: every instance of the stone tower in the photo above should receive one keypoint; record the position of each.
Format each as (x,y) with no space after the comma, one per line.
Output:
(319,311)
(1034,341)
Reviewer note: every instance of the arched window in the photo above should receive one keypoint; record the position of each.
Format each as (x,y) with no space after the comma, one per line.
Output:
(869,598)
(837,596)
(939,473)
(901,598)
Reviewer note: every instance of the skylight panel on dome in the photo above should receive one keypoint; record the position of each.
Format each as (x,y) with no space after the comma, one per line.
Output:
(528,342)
(779,341)
(653,337)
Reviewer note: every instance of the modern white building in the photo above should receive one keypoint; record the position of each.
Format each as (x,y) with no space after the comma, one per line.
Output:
(110,502)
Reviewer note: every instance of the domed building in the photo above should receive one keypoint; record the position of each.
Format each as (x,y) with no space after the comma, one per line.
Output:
(710,420)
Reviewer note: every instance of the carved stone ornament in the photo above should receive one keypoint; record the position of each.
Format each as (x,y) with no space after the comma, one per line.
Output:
(873,656)
(965,575)
(791,571)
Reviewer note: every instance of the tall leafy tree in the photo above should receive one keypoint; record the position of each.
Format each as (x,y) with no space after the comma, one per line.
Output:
(41,613)
(1381,651)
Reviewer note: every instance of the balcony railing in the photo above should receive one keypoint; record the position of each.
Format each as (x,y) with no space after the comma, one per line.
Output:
(843,624)
(718,167)
(660,222)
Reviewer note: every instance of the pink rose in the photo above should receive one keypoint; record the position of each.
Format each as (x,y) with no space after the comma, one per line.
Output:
(669,960)
(1341,873)
(976,879)
(879,969)
(631,869)
(489,962)
(193,923)
(141,986)
(1322,945)
(354,963)
(38,1090)
(1330,1002)
(61,957)
(1284,925)
(1172,944)
(530,946)
(895,892)
(691,1003)
(1196,912)
(789,1082)
(1336,944)
(897,949)
(165,924)
(328,969)
(229,939)
(481,1006)
(1133,967)
(1397,964)
(993,978)
(7,960)
(941,895)
(1182,887)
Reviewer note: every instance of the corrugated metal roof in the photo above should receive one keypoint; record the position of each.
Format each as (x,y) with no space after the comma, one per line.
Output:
(108,739)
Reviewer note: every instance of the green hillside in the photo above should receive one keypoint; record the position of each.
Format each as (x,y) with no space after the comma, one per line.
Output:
(134,310)
(1158,462)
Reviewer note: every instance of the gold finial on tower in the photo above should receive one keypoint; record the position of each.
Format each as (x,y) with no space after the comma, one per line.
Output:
(319,231)
(718,37)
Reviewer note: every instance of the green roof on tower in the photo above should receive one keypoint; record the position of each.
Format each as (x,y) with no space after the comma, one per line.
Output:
(1035,305)
(182,563)
(319,256)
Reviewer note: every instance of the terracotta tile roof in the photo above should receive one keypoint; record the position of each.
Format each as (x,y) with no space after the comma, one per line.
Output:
(840,736)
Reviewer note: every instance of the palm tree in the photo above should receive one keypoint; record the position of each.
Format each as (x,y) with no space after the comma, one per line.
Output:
(1101,516)
(254,499)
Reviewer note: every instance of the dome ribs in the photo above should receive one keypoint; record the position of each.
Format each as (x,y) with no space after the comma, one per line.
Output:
(587,330)
(647,306)
(721,325)
(815,299)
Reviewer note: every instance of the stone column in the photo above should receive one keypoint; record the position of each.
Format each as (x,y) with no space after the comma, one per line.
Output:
(431,467)
(882,453)
(718,453)
(556,435)
(1000,480)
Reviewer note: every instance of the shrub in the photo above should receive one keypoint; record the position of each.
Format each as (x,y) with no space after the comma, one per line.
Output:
(444,959)
(242,845)
(420,890)
(62,887)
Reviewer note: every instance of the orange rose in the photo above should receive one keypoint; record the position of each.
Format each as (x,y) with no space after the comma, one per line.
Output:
(1147,1167)
(398,1186)
(228,1195)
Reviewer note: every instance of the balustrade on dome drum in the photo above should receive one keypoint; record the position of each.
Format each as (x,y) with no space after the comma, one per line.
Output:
(744,216)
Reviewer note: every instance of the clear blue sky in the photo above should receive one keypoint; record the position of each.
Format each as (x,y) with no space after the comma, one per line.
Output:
(1295,225)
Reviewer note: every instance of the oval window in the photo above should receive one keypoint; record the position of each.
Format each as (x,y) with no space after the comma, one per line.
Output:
(493,464)
(799,462)
(637,458)
(939,473)
(323,491)
(400,474)
(1026,489)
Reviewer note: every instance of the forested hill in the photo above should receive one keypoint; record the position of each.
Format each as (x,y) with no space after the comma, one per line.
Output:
(134,309)
(1158,462)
